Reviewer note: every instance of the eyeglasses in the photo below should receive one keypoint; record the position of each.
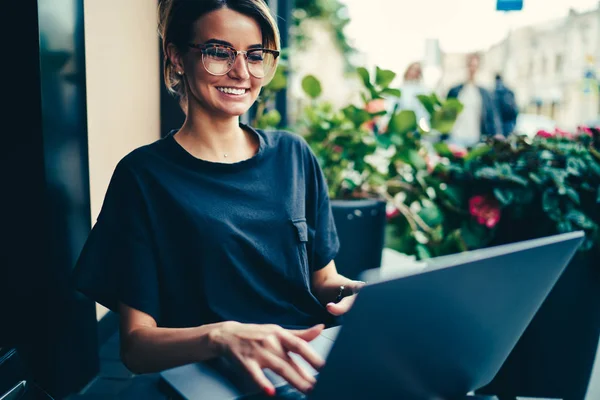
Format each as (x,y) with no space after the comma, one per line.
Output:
(219,59)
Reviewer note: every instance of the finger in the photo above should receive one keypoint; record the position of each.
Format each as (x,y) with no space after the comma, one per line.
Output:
(303,349)
(342,307)
(282,368)
(357,285)
(301,371)
(308,334)
(259,377)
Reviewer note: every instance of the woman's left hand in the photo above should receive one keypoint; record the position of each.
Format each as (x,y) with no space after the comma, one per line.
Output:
(345,304)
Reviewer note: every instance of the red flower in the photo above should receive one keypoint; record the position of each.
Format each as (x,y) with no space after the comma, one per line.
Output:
(337,149)
(563,133)
(544,134)
(391,212)
(375,106)
(457,151)
(486,209)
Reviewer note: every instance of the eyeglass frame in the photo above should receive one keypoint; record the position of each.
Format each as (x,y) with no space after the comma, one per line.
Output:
(203,47)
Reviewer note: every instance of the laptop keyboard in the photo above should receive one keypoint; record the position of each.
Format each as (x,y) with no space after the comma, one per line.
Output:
(285,392)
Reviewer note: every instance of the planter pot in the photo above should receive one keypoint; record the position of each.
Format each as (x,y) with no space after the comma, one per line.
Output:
(361,228)
(555,356)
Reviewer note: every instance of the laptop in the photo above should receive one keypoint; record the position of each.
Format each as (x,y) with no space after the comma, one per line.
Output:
(440,333)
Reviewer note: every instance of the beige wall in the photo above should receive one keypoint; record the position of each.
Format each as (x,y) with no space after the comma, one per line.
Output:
(123,87)
(324,60)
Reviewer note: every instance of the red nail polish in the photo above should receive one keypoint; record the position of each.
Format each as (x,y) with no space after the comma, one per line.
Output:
(270,391)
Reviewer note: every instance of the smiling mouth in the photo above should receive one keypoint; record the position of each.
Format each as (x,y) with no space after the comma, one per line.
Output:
(234,91)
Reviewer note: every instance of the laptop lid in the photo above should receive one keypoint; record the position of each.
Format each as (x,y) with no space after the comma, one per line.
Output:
(446,331)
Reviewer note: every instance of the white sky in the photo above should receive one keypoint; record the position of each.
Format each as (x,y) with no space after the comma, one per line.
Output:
(392,33)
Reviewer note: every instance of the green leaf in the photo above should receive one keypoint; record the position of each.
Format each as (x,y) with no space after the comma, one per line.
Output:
(593,166)
(422,252)
(523,195)
(580,219)
(454,194)
(356,115)
(536,178)
(443,118)
(384,140)
(392,92)
(396,139)
(487,173)
(564,226)
(504,196)
(269,120)
(403,122)
(551,205)
(427,102)
(575,166)
(278,82)
(350,183)
(436,100)
(432,215)
(573,195)
(478,151)
(364,76)
(442,149)
(475,235)
(311,86)
(384,77)
(273,118)
(598,196)
(416,160)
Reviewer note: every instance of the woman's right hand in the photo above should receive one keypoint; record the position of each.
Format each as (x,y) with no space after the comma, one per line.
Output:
(268,346)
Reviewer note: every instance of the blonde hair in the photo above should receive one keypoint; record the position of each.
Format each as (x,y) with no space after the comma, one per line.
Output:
(410,67)
(176,19)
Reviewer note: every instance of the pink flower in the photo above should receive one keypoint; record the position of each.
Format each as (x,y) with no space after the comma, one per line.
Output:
(391,212)
(375,106)
(457,151)
(432,160)
(544,134)
(584,130)
(369,125)
(337,149)
(485,209)
(563,133)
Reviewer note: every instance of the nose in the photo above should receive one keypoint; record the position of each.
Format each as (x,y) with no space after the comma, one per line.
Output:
(240,68)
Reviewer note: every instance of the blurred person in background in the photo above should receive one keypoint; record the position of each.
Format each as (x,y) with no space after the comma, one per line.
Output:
(506,105)
(479,118)
(413,86)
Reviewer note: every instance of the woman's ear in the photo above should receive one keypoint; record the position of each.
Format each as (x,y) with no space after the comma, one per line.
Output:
(175,59)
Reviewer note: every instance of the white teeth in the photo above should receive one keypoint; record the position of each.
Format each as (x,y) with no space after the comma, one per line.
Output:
(232,90)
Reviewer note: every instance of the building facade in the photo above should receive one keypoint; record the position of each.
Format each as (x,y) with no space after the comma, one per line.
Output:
(552,67)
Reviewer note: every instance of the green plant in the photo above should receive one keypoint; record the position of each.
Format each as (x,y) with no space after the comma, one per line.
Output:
(498,192)
(362,148)
(265,115)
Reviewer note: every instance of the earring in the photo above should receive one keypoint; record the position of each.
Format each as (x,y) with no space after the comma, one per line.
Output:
(180,72)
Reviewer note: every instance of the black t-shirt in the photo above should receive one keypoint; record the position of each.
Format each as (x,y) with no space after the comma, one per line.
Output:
(192,242)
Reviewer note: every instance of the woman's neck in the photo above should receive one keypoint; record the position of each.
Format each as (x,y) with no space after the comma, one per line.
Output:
(214,139)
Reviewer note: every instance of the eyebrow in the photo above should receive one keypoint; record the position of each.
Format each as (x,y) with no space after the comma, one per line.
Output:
(224,43)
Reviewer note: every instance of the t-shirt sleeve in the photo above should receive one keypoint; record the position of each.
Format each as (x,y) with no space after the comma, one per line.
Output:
(118,261)
(326,243)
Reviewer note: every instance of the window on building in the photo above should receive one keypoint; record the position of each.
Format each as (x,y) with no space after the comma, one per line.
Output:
(558,64)
(543,67)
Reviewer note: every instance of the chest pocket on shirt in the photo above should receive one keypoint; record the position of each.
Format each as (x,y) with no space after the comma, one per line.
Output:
(301,230)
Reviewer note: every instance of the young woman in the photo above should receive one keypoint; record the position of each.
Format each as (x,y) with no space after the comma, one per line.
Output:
(218,240)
